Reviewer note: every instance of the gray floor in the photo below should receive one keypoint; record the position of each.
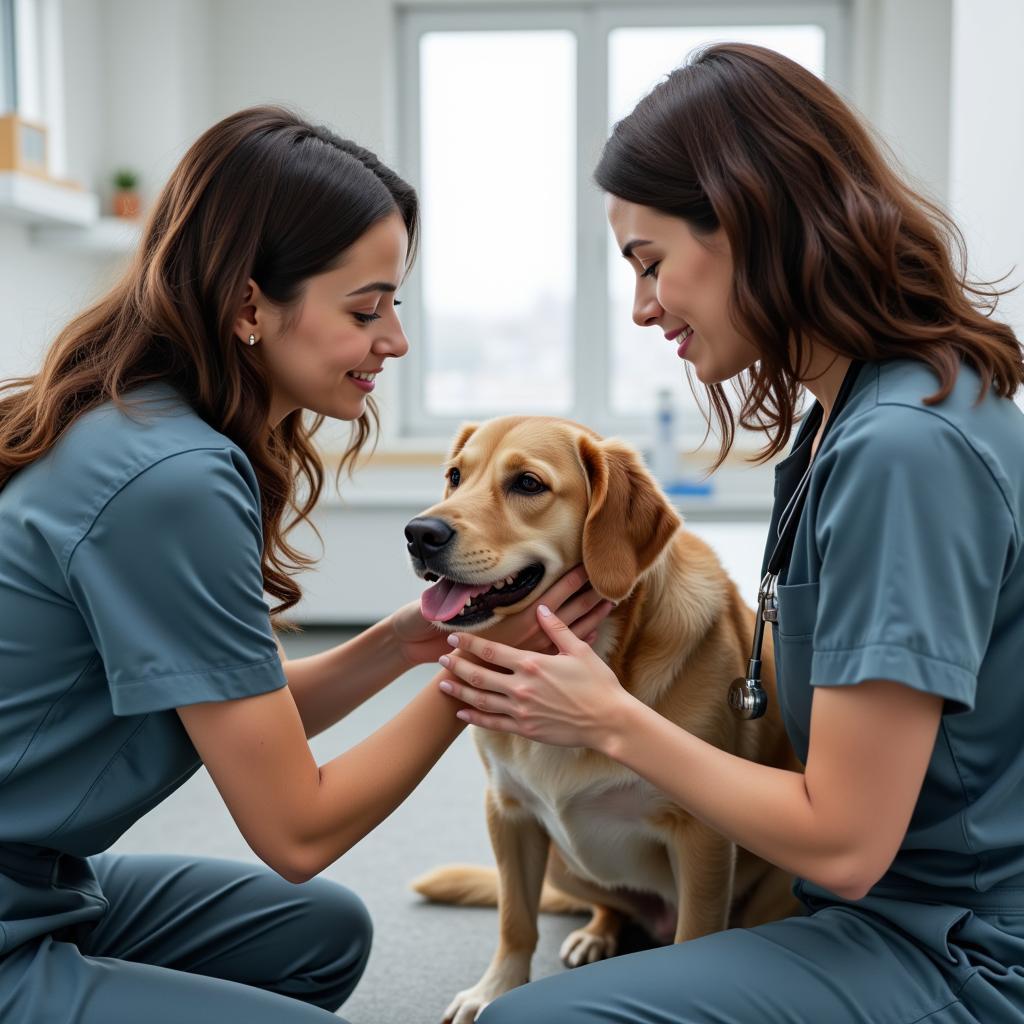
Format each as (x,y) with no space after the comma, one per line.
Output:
(422,954)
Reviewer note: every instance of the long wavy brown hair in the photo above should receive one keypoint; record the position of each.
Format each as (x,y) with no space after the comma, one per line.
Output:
(830,245)
(262,194)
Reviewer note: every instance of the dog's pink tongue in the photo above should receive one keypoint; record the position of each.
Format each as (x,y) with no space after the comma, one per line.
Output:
(444,600)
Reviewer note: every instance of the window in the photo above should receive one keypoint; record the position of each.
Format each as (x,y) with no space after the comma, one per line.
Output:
(520,301)
(31,70)
(498,161)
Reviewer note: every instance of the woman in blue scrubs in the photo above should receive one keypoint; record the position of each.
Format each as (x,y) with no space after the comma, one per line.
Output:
(773,245)
(145,476)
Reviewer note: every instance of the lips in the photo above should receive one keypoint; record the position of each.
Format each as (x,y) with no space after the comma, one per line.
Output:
(672,335)
(687,334)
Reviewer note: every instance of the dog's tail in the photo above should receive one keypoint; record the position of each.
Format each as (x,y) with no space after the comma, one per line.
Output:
(469,885)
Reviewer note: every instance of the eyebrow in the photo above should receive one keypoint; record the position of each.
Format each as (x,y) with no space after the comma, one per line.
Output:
(375,286)
(627,250)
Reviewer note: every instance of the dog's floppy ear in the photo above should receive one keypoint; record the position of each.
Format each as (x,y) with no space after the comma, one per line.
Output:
(466,431)
(629,520)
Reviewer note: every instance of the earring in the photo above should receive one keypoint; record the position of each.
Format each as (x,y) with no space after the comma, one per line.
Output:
(252,339)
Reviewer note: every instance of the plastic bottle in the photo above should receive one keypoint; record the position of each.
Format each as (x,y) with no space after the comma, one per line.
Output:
(663,453)
(664,457)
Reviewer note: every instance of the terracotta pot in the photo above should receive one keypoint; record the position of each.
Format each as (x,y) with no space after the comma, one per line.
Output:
(126,203)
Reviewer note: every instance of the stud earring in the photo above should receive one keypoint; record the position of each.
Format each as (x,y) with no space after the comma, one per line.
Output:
(252,339)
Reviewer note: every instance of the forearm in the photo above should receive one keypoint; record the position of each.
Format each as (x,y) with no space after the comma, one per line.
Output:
(359,789)
(766,810)
(328,685)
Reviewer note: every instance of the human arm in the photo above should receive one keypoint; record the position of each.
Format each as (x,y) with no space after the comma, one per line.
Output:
(328,685)
(841,822)
(299,817)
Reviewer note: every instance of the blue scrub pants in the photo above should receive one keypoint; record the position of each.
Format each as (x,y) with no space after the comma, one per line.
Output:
(193,941)
(880,961)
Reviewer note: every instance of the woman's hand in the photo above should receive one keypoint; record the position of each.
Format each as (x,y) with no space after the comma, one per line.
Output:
(569,699)
(420,641)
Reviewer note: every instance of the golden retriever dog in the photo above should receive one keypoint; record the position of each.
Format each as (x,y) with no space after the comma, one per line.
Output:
(526,499)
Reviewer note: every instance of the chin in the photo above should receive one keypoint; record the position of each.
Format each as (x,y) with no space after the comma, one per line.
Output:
(346,411)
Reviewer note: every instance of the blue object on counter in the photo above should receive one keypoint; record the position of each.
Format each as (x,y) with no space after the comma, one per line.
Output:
(692,487)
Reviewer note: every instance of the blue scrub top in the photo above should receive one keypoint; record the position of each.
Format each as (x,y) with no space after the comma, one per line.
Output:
(907,566)
(130,584)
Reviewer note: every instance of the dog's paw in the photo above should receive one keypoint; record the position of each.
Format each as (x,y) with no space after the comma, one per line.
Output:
(465,1007)
(587,947)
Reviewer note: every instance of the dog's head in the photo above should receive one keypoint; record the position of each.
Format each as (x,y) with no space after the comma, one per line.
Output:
(526,498)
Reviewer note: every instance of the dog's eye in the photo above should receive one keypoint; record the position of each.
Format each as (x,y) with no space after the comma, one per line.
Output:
(528,484)
(454,476)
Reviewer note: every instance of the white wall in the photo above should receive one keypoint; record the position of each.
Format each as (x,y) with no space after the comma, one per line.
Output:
(987,142)
(906,92)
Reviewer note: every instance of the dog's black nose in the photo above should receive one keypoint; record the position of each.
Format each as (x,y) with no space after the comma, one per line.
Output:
(427,536)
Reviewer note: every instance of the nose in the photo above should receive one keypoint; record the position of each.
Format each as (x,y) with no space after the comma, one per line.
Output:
(646,308)
(392,342)
(427,536)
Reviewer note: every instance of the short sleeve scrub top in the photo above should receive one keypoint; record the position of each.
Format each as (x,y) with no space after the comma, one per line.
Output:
(907,566)
(130,584)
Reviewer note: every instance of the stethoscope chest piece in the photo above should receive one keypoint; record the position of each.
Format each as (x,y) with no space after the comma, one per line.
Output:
(747,698)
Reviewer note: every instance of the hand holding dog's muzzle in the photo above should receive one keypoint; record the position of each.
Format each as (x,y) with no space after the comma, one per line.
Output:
(570,699)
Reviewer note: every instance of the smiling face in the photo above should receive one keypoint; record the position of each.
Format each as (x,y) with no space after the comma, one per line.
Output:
(683,286)
(323,354)
(526,499)
(511,521)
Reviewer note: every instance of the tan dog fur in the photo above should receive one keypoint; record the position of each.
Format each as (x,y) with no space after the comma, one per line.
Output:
(568,821)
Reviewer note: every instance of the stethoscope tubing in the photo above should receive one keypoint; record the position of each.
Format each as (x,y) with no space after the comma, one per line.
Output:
(746,696)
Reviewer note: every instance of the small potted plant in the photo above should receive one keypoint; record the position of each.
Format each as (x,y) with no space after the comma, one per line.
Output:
(126,199)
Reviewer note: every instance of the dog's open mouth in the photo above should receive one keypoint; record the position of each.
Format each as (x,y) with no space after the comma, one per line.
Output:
(465,604)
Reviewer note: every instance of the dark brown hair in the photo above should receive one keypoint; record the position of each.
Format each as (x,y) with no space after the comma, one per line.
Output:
(829,244)
(262,194)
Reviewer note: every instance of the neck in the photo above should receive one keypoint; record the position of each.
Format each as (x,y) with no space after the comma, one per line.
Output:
(823,377)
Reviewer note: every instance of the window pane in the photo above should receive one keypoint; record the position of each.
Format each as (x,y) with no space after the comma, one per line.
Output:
(498,145)
(642,361)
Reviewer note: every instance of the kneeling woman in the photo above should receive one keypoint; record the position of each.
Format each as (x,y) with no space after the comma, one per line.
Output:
(144,476)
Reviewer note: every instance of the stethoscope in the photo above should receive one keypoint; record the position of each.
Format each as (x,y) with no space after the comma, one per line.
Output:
(747,697)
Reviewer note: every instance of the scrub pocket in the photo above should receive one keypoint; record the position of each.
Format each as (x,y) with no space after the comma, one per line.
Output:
(793,637)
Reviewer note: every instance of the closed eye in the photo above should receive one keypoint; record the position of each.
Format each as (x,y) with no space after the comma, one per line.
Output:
(367,318)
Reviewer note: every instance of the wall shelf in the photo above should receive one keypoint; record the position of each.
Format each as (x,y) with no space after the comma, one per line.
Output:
(106,236)
(35,201)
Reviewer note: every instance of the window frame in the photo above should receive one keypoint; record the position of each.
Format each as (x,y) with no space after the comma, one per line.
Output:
(8,59)
(592,23)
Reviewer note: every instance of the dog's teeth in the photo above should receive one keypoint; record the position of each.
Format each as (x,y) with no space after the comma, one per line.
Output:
(509,579)
(499,584)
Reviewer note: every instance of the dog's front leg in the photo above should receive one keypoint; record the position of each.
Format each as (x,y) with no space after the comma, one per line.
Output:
(521,851)
(704,865)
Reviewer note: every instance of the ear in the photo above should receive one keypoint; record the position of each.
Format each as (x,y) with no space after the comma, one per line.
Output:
(247,321)
(466,431)
(629,521)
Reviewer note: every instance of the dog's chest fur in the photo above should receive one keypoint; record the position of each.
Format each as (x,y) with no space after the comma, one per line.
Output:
(606,821)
